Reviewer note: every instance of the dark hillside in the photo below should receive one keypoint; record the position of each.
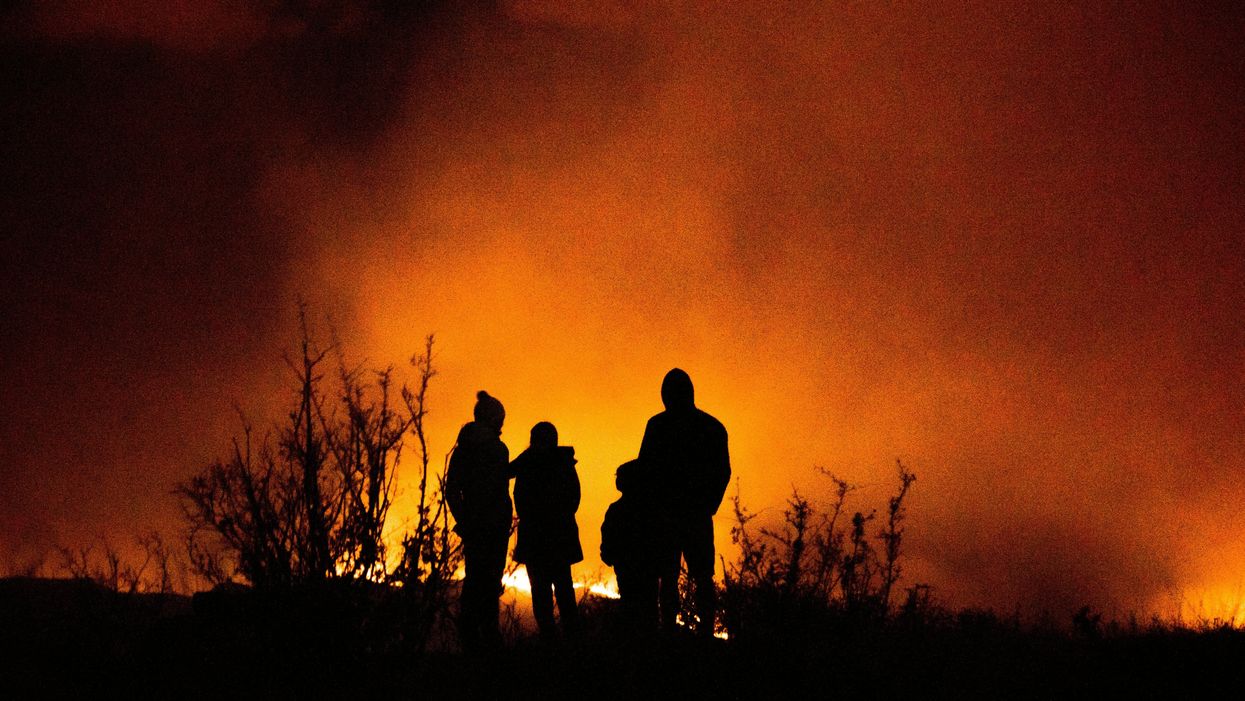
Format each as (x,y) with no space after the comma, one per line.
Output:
(75,638)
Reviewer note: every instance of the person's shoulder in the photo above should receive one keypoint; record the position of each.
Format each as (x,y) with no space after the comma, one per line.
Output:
(521,461)
(659,419)
(710,421)
(618,507)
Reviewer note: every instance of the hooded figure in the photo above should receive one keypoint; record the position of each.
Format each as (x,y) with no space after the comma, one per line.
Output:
(687,452)
(477,490)
(546,497)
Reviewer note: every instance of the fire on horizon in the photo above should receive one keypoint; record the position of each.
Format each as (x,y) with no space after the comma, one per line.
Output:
(1001,243)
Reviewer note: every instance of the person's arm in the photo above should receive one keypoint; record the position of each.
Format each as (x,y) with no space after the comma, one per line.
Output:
(648,444)
(454,485)
(575,495)
(512,466)
(521,497)
(609,537)
(572,483)
(722,472)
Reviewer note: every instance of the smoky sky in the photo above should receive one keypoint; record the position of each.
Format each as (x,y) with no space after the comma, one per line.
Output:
(1000,242)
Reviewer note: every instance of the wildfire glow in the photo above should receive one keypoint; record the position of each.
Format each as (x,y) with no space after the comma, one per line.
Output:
(607,590)
(1002,245)
(517,581)
(1217,606)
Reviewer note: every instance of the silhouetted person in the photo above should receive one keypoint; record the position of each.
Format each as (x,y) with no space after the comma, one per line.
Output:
(634,543)
(477,489)
(686,449)
(546,497)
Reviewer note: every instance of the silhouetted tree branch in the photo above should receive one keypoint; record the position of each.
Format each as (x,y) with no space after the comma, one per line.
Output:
(316,504)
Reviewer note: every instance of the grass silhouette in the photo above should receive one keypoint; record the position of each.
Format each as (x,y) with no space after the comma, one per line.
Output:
(77,638)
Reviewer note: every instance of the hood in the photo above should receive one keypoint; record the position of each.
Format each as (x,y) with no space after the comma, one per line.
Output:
(676,390)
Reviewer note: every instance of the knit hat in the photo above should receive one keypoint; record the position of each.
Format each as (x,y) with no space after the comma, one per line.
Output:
(488,410)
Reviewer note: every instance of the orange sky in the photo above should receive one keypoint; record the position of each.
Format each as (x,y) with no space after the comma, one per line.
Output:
(1002,244)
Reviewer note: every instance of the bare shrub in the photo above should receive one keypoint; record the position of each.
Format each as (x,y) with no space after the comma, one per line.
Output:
(313,502)
(814,562)
(31,565)
(431,552)
(100,562)
(310,501)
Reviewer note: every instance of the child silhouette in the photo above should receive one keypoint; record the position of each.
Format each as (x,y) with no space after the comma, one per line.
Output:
(632,543)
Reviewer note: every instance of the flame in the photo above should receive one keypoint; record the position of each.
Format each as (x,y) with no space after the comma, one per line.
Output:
(607,590)
(1216,605)
(682,622)
(517,581)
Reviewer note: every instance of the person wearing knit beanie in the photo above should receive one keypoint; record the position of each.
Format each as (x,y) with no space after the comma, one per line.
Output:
(477,490)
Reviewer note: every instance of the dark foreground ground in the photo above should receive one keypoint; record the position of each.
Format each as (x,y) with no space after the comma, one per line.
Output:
(72,639)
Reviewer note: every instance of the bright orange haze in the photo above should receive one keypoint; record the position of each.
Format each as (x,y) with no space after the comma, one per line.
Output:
(999,243)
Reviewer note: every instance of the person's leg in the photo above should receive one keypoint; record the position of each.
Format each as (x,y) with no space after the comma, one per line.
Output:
(564,589)
(469,598)
(645,584)
(699,555)
(628,594)
(491,589)
(542,598)
(668,596)
(667,573)
(706,594)
(637,586)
